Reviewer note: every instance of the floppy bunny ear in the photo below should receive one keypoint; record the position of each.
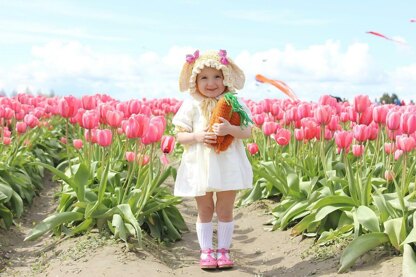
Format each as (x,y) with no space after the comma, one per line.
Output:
(185,76)
(237,75)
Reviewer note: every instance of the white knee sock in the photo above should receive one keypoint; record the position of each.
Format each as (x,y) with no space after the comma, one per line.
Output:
(225,234)
(204,232)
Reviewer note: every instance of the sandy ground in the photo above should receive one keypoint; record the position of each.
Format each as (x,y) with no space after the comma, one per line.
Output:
(256,251)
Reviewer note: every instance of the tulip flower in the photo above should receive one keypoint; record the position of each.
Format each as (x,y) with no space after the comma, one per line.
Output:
(89,102)
(77,143)
(322,114)
(114,118)
(397,154)
(7,140)
(31,120)
(405,143)
(389,147)
(269,128)
(104,137)
(282,136)
(63,140)
(393,120)
(408,123)
(343,139)
(21,127)
(380,114)
(90,119)
(130,156)
(253,148)
(358,150)
(389,175)
(361,132)
(258,119)
(361,103)
(68,106)
(167,144)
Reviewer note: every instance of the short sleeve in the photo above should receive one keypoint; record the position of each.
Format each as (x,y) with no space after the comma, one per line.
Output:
(184,117)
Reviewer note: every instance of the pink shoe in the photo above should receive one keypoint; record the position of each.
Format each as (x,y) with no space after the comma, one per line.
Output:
(224,260)
(209,261)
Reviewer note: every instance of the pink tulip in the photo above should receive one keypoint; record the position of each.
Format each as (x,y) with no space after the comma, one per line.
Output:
(366,117)
(104,137)
(258,119)
(408,123)
(154,131)
(253,148)
(90,119)
(389,147)
(380,114)
(91,135)
(389,175)
(7,140)
(275,109)
(21,127)
(361,103)
(327,100)
(333,124)
(68,106)
(357,150)
(89,102)
(397,154)
(269,128)
(282,136)
(31,120)
(130,156)
(299,136)
(322,115)
(310,128)
(393,120)
(63,140)
(343,139)
(167,144)
(361,132)
(344,117)
(304,110)
(134,106)
(114,118)
(143,159)
(405,143)
(77,143)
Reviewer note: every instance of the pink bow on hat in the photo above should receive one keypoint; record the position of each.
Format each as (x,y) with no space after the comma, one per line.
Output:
(223,55)
(191,58)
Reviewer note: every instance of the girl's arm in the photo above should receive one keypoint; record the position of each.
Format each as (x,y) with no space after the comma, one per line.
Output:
(225,128)
(198,137)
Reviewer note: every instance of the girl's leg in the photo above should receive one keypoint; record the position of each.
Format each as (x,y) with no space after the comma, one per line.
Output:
(204,229)
(224,209)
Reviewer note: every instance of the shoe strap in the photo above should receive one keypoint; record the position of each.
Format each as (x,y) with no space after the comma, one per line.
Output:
(223,250)
(207,251)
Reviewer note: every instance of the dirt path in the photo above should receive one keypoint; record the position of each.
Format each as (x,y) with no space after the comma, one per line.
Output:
(257,251)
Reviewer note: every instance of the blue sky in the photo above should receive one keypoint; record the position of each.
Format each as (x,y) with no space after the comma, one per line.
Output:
(135,49)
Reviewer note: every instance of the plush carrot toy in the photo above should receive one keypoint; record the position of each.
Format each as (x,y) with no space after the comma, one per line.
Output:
(228,108)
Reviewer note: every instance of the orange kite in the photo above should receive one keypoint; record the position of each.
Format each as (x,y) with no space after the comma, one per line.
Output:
(278,84)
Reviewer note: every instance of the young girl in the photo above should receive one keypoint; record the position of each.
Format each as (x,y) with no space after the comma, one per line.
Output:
(203,172)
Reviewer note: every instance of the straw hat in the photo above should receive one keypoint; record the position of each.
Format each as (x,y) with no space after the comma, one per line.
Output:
(233,75)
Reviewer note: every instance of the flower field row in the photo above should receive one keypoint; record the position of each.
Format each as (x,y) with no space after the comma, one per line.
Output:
(340,168)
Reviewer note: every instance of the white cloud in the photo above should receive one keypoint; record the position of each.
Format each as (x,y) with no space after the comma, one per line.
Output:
(71,67)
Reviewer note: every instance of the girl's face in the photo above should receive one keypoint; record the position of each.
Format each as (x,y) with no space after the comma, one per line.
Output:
(210,82)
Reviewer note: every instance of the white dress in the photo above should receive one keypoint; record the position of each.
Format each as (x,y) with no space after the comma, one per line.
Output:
(203,170)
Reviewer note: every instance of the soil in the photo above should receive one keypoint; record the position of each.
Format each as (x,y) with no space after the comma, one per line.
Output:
(256,250)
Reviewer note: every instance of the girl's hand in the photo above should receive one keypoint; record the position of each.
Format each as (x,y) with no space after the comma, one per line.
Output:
(223,128)
(206,138)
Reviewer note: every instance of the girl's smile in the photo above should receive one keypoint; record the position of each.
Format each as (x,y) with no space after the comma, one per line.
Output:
(210,82)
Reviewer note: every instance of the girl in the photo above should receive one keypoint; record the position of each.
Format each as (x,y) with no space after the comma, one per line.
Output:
(203,172)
